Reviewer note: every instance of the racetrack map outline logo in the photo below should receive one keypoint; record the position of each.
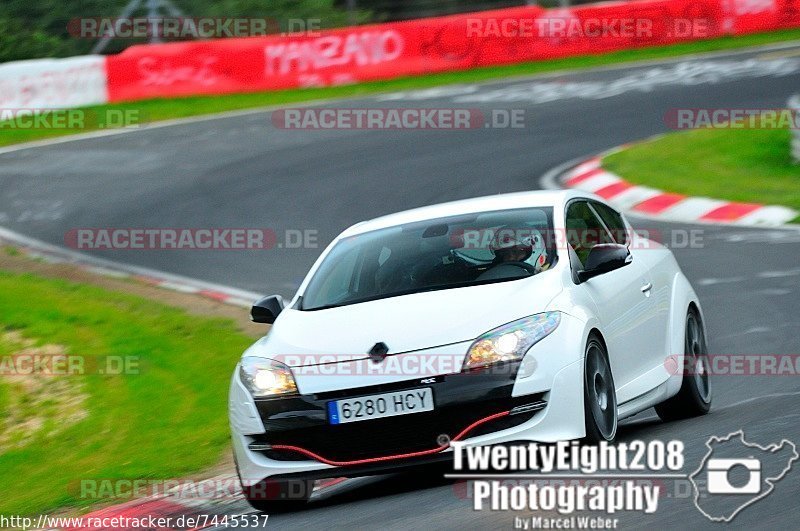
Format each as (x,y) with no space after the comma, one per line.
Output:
(730,492)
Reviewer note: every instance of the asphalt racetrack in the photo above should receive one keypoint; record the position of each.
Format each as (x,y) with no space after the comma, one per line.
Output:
(242,171)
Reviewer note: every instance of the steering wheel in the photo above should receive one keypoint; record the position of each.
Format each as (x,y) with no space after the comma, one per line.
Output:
(506,270)
(524,265)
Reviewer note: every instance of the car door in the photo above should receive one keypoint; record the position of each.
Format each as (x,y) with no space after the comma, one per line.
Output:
(624,310)
(658,284)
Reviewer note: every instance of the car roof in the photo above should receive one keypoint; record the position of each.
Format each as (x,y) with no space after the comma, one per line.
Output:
(539,198)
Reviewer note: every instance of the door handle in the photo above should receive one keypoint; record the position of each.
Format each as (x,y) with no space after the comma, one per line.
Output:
(646,288)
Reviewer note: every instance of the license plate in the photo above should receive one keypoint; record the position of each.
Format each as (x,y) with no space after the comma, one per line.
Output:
(380,406)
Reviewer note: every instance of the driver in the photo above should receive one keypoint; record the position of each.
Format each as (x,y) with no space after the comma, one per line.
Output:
(527,247)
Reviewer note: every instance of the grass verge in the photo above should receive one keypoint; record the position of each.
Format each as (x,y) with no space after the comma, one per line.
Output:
(746,165)
(165,418)
(164,109)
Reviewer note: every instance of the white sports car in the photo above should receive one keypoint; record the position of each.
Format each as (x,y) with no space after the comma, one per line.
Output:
(538,316)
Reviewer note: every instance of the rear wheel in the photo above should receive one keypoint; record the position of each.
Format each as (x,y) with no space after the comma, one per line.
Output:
(694,397)
(599,395)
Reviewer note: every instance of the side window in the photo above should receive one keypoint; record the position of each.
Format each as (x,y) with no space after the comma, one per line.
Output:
(613,221)
(584,229)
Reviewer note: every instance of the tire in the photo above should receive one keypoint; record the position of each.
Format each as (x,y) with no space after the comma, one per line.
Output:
(278,496)
(694,397)
(599,394)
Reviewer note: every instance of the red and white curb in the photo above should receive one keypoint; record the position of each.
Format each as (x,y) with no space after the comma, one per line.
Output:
(55,254)
(590,176)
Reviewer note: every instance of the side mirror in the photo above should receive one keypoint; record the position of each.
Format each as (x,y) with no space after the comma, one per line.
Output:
(603,258)
(266,310)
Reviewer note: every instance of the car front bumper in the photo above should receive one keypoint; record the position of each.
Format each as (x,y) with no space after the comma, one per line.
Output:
(291,436)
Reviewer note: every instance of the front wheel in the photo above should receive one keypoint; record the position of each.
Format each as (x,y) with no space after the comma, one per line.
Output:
(694,397)
(599,395)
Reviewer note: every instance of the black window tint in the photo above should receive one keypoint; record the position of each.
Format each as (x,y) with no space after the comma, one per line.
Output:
(584,229)
(613,221)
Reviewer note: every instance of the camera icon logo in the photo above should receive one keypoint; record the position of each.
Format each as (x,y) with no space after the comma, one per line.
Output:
(718,476)
(736,473)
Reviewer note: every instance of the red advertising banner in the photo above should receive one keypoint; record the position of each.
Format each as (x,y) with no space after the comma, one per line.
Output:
(751,16)
(385,51)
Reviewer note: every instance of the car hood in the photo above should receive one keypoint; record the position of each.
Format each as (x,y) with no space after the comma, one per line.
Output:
(404,323)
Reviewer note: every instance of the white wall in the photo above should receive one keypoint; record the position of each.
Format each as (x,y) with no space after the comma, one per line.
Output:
(53,83)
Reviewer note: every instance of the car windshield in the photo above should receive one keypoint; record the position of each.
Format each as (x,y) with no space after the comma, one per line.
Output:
(435,254)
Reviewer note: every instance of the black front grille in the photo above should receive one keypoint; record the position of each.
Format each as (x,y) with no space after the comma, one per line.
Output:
(395,435)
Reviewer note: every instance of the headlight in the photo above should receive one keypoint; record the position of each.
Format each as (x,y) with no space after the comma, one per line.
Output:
(265,378)
(511,341)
